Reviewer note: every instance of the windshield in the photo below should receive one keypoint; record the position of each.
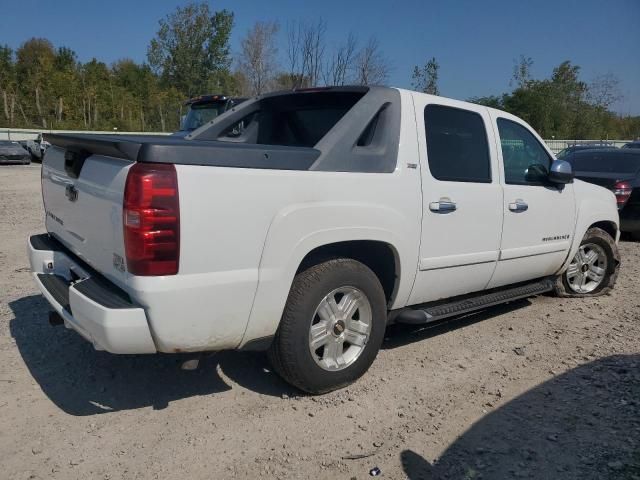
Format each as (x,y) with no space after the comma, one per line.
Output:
(201,113)
(606,163)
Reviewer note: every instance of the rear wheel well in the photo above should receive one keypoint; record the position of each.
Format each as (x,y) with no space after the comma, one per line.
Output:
(380,257)
(608,227)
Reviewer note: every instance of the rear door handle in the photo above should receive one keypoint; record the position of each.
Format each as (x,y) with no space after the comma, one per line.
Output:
(518,206)
(444,205)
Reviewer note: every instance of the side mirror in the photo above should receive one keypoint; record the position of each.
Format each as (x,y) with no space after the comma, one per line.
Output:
(536,173)
(561,172)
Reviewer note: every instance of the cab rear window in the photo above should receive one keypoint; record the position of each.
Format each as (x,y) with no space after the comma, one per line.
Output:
(296,120)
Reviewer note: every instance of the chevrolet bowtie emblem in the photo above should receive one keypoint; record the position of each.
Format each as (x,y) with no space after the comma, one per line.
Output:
(71,193)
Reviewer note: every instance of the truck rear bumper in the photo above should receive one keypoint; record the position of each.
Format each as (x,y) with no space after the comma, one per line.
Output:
(89,304)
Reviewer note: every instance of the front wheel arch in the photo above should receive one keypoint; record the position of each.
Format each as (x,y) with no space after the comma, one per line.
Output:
(610,227)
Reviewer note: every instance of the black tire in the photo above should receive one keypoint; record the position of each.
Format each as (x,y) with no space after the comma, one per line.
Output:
(603,239)
(636,236)
(290,354)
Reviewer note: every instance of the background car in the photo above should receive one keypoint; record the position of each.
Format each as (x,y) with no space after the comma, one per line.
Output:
(13,152)
(635,144)
(619,171)
(582,146)
(36,148)
(203,109)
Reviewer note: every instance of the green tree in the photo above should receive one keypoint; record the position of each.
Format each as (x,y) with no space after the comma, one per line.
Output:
(191,49)
(492,101)
(425,79)
(8,83)
(522,71)
(34,65)
(564,105)
(64,88)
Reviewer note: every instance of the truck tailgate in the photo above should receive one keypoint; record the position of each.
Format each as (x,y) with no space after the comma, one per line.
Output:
(85,213)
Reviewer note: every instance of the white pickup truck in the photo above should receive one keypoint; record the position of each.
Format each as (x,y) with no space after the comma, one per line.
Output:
(303,223)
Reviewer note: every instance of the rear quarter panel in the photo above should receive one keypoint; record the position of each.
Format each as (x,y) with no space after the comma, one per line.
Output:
(244,233)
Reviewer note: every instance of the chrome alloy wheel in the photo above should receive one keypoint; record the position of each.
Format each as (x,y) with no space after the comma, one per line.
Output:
(587,269)
(340,328)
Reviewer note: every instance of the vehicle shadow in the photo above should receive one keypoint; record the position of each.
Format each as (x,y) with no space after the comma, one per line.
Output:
(582,424)
(82,381)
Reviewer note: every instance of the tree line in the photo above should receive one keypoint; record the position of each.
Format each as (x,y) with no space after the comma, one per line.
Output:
(563,105)
(42,86)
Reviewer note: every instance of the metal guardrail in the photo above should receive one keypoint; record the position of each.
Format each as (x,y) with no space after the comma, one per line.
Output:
(31,134)
(19,134)
(557,145)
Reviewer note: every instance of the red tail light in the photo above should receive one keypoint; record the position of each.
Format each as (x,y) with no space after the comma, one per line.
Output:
(622,191)
(151,219)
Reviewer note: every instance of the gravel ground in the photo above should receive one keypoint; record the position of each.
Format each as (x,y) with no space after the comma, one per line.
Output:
(540,388)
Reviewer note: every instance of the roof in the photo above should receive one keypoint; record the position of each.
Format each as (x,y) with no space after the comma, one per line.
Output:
(206,98)
(609,151)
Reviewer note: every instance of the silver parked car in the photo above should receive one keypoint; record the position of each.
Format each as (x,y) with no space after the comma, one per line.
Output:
(13,152)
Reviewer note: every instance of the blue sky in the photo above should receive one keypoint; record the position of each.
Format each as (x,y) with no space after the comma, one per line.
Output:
(475,42)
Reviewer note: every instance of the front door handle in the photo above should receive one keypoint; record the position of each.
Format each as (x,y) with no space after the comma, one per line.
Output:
(444,205)
(518,206)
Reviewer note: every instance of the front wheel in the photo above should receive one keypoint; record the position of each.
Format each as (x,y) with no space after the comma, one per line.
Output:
(594,268)
(332,326)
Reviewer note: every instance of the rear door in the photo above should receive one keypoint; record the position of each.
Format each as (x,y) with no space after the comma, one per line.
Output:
(462,198)
(539,217)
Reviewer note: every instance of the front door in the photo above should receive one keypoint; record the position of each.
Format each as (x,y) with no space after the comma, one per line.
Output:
(462,199)
(538,216)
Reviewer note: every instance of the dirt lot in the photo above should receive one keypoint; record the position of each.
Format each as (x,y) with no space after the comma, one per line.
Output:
(541,388)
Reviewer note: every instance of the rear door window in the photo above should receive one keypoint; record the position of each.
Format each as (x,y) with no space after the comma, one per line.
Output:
(457,147)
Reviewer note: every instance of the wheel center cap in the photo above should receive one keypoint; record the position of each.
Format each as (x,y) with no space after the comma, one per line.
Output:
(338,328)
(585,268)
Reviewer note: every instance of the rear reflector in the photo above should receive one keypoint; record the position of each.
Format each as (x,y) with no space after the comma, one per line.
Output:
(151,220)
(622,191)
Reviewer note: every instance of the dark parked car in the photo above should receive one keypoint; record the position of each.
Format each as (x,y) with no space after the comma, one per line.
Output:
(576,147)
(619,171)
(203,109)
(12,152)
(635,144)
(36,148)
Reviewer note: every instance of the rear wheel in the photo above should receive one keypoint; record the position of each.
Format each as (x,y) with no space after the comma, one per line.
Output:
(594,268)
(332,326)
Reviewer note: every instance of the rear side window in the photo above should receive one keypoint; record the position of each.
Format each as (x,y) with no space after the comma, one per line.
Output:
(457,146)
